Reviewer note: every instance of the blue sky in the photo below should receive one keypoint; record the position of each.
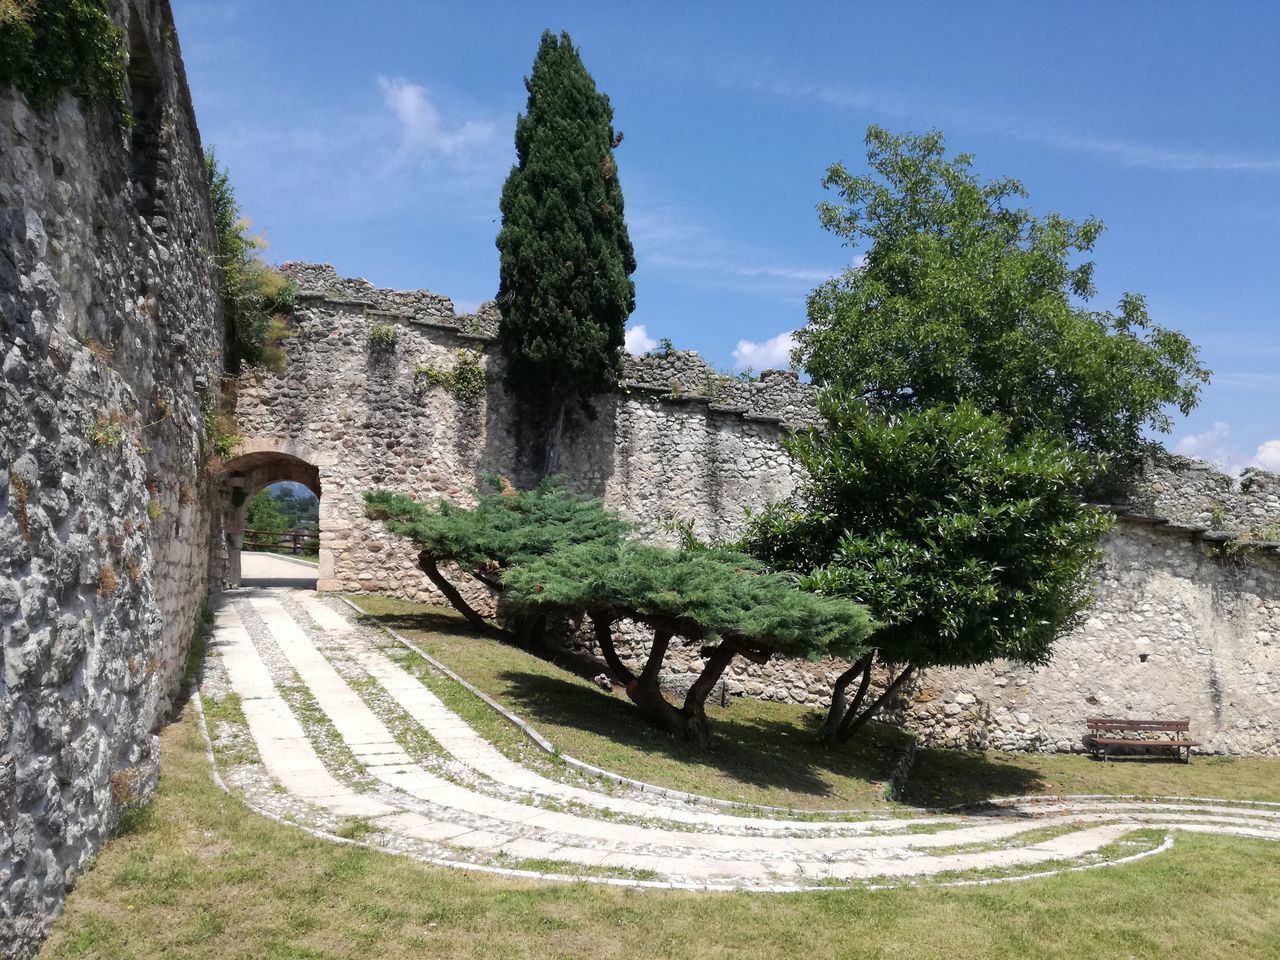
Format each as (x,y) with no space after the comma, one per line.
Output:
(376,137)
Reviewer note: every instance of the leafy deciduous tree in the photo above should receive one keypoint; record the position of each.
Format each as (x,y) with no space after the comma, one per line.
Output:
(962,295)
(965,542)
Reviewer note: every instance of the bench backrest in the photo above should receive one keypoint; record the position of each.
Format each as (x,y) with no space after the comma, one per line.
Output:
(1116,724)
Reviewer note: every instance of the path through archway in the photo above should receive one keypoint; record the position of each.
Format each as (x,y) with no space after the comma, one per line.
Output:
(246,476)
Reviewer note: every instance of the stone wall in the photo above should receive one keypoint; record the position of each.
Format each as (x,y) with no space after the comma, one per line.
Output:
(1183,622)
(111,341)
(659,452)
(1193,492)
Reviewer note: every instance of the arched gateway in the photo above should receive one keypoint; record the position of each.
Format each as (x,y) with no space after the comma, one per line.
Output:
(261,464)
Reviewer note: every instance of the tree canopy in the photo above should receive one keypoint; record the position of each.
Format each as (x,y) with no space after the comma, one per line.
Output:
(550,553)
(506,526)
(965,541)
(565,258)
(702,595)
(962,295)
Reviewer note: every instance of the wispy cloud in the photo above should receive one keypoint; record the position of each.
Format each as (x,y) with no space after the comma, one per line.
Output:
(677,240)
(638,341)
(1131,153)
(771,354)
(424,135)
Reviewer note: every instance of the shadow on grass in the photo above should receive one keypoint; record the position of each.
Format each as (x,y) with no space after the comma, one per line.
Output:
(944,778)
(753,748)
(761,744)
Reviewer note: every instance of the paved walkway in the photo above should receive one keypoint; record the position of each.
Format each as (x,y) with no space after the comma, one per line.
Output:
(349,743)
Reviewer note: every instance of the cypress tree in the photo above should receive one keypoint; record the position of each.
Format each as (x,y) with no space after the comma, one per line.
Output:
(564,288)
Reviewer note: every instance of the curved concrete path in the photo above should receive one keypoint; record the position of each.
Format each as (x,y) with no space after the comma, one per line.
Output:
(471,804)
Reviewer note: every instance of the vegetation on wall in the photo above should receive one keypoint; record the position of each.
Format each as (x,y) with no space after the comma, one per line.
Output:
(52,47)
(564,288)
(961,295)
(257,299)
(465,379)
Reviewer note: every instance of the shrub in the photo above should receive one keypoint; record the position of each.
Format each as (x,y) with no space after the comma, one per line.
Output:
(255,297)
(69,46)
(465,379)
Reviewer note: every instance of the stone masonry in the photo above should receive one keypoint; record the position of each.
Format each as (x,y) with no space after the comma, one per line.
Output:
(111,341)
(1184,617)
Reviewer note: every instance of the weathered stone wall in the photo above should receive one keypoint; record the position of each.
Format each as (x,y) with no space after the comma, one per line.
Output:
(1184,623)
(360,415)
(1195,493)
(111,338)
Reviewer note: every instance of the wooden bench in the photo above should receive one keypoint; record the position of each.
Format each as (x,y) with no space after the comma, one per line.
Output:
(1106,733)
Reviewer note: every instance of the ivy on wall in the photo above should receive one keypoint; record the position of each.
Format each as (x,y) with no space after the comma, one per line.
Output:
(52,47)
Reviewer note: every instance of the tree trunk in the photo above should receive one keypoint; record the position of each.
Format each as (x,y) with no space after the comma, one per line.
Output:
(697,728)
(647,695)
(428,566)
(839,705)
(855,722)
(604,640)
(555,434)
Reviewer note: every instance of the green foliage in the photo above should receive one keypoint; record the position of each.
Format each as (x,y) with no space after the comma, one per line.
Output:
(53,47)
(220,439)
(701,594)
(965,543)
(503,528)
(564,287)
(108,430)
(255,297)
(465,379)
(962,296)
(264,514)
(298,511)
(383,336)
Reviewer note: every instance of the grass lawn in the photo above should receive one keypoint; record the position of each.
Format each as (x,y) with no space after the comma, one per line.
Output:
(198,876)
(767,752)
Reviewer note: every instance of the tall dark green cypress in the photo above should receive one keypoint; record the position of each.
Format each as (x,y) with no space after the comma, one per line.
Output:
(564,287)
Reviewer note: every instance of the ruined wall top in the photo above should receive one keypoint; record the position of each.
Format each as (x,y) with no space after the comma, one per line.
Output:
(676,376)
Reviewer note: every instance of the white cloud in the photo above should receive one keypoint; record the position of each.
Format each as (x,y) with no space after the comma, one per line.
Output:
(1058,137)
(423,133)
(772,354)
(1216,446)
(1213,445)
(638,340)
(1268,456)
(676,240)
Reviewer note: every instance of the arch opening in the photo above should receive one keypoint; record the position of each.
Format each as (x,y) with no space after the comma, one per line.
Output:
(277,554)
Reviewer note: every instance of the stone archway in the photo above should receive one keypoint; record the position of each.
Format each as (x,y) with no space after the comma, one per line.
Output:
(243,477)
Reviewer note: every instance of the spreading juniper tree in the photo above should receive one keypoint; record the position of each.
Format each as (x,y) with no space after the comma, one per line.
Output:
(505,527)
(961,294)
(725,601)
(965,541)
(564,287)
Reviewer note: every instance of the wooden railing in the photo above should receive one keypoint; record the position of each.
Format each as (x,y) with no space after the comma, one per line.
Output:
(282,541)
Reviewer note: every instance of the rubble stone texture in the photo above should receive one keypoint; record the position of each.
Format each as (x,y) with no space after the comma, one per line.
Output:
(1183,624)
(110,343)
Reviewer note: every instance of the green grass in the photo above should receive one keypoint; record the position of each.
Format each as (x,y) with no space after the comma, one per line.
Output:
(204,878)
(766,753)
